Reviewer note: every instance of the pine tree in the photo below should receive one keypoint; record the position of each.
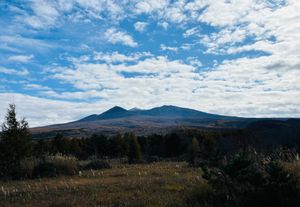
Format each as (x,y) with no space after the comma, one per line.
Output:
(15,141)
(134,151)
(193,151)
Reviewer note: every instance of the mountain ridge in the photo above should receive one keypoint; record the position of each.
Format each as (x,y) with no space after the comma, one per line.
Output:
(162,111)
(157,120)
(142,121)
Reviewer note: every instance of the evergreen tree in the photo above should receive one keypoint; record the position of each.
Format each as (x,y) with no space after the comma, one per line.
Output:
(173,145)
(60,144)
(193,151)
(15,142)
(118,146)
(134,151)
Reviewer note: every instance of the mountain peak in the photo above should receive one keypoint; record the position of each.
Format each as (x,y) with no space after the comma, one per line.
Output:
(116,108)
(135,109)
(114,112)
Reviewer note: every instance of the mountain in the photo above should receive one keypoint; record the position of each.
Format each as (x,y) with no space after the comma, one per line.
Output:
(115,112)
(162,112)
(155,120)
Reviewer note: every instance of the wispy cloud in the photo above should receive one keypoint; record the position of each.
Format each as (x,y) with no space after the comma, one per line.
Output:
(21,58)
(115,36)
(164,48)
(140,26)
(10,71)
(190,32)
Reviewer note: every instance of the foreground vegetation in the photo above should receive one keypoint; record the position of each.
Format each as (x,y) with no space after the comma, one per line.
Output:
(189,169)
(158,184)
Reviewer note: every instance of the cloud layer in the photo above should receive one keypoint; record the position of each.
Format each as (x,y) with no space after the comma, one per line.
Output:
(71,57)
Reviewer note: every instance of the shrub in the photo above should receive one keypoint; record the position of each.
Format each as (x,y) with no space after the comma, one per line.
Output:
(151,159)
(257,183)
(200,196)
(249,179)
(56,165)
(97,165)
(27,167)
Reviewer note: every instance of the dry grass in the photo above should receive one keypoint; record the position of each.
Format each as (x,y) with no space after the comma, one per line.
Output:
(157,184)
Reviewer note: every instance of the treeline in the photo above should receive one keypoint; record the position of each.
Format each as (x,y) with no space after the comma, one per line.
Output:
(154,146)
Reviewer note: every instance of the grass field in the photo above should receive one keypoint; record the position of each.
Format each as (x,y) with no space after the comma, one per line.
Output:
(158,184)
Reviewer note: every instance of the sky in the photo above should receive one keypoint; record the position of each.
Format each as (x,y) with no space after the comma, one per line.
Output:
(61,60)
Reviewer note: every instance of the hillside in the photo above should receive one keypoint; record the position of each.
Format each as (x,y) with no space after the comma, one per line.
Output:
(156,120)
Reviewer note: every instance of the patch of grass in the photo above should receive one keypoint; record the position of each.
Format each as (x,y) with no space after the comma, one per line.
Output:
(156,184)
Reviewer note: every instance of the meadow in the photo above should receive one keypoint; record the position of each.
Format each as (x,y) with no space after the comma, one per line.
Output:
(157,184)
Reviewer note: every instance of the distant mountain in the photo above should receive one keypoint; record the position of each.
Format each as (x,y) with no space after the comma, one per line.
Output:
(174,111)
(162,112)
(115,112)
(155,120)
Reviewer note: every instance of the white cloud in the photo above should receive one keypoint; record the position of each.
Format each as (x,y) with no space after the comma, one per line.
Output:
(10,71)
(194,61)
(21,58)
(149,6)
(140,26)
(101,76)
(114,36)
(41,111)
(186,46)
(80,95)
(190,32)
(50,14)
(175,14)
(45,15)
(164,48)
(232,11)
(17,43)
(116,57)
(164,25)
(31,86)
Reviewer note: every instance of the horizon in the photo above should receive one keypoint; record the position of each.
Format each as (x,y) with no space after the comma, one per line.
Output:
(147,109)
(65,59)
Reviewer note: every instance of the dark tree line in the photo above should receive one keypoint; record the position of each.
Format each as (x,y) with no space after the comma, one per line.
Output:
(112,147)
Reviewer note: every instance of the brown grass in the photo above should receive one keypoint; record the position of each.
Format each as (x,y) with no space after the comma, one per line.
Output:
(158,184)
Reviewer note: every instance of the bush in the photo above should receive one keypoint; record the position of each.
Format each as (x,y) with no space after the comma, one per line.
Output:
(249,179)
(27,167)
(151,159)
(97,165)
(56,165)
(200,196)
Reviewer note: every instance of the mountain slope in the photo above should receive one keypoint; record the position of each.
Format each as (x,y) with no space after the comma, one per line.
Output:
(155,120)
(161,112)
(115,112)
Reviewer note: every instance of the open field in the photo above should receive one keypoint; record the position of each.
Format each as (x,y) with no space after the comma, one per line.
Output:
(158,184)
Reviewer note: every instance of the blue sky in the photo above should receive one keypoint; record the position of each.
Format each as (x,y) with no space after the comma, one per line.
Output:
(61,60)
